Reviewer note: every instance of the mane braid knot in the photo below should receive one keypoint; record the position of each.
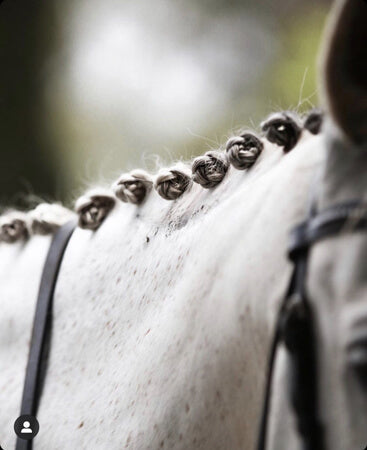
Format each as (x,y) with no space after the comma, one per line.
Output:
(46,218)
(283,129)
(243,151)
(313,121)
(93,208)
(133,187)
(210,169)
(13,227)
(172,183)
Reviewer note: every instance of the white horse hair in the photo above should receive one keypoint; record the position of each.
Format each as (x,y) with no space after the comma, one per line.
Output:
(164,310)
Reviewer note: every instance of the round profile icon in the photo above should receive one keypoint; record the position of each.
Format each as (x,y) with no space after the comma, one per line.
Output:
(26,427)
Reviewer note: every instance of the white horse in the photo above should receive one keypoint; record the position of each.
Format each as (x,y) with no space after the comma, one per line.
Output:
(164,310)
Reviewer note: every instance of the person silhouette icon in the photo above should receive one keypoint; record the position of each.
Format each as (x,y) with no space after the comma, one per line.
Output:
(26,427)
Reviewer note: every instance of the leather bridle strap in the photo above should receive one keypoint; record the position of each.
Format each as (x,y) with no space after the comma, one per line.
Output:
(40,342)
(344,217)
(294,328)
(295,325)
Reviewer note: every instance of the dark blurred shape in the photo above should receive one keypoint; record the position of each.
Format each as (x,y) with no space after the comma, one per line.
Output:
(26,31)
(313,122)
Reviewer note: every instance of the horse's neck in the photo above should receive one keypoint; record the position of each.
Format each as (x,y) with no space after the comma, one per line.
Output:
(170,302)
(218,229)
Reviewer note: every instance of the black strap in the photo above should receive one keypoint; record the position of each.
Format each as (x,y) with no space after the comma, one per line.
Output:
(347,216)
(263,428)
(277,339)
(298,335)
(39,349)
(295,324)
(295,328)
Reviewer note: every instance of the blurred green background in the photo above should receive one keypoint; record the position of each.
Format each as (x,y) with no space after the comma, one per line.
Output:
(90,89)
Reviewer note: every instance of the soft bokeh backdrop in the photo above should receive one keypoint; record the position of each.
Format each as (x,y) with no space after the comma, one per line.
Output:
(93,88)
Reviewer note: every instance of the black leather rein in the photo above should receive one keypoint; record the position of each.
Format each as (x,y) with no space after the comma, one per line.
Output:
(295,323)
(39,348)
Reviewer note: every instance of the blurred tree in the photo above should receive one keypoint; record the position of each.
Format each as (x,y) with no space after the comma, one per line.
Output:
(26,31)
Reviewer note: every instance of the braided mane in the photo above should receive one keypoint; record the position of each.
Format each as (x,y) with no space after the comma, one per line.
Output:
(283,129)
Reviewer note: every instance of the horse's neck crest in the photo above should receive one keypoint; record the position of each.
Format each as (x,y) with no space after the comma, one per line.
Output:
(283,129)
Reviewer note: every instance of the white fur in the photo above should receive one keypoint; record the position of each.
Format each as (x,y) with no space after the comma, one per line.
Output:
(163,315)
(21,266)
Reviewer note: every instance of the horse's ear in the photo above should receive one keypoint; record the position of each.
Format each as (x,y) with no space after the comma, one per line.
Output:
(345,69)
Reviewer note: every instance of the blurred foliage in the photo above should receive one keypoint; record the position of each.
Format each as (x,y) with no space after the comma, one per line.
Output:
(275,8)
(290,81)
(294,78)
(56,136)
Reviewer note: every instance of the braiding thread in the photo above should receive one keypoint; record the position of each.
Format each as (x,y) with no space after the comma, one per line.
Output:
(210,169)
(133,187)
(243,151)
(172,183)
(93,207)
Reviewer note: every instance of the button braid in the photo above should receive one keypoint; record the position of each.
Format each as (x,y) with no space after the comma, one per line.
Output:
(244,150)
(172,183)
(93,208)
(133,187)
(13,227)
(210,169)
